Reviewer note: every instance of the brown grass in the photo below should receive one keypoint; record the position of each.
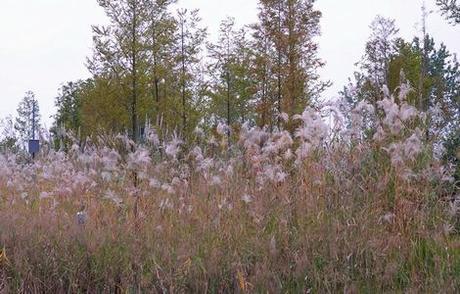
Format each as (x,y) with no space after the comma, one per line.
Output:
(322,230)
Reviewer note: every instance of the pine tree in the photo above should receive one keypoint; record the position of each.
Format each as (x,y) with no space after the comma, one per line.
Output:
(431,71)
(27,123)
(450,9)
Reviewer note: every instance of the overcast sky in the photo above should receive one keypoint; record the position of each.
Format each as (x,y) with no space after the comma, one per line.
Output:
(44,43)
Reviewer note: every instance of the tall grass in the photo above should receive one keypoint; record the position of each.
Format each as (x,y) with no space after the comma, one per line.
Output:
(324,210)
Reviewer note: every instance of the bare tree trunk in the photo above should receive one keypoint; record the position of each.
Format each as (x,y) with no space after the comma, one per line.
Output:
(279,66)
(264,98)
(134,75)
(134,51)
(228,87)
(184,115)
(293,87)
(423,103)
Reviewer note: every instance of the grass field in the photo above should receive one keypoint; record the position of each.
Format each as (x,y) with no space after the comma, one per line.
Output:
(320,209)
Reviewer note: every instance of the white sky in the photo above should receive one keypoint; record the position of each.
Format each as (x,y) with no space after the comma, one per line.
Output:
(44,43)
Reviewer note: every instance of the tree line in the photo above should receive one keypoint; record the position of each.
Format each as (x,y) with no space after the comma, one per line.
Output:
(154,64)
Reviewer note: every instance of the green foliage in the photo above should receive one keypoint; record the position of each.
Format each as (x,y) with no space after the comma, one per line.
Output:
(69,105)
(431,71)
(27,123)
(8,136)
(374,66)
(146,63)
(148,67)
(188,46)
(287,57)
(450,9)
(452,154)
(232,84)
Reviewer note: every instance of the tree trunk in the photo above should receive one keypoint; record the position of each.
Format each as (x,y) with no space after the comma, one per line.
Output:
(134,75)
(184,116)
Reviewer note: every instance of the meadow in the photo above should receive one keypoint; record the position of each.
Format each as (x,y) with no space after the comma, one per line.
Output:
(358,202)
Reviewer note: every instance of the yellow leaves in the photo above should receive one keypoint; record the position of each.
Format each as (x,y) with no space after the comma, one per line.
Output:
(243,284)
(3,258)
(185,268)
(241,280)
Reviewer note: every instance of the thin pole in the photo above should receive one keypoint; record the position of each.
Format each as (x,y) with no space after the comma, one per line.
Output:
(33,123)
(33,118)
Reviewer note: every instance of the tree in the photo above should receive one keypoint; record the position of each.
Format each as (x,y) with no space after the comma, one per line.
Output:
(230,70)
(379,50)
(450,9)
(27,122)
(452,153)
(289,28)
(161,26)
(145,68)
(261,71)
(374,65)
(8,137)
(439,79)
(431,71)
(69,105)
(120,54)
(244,81)
(189,41)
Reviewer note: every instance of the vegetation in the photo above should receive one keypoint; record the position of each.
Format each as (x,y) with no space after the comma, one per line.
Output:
(152,64)
(184,165)
(451,10)
(320,211)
